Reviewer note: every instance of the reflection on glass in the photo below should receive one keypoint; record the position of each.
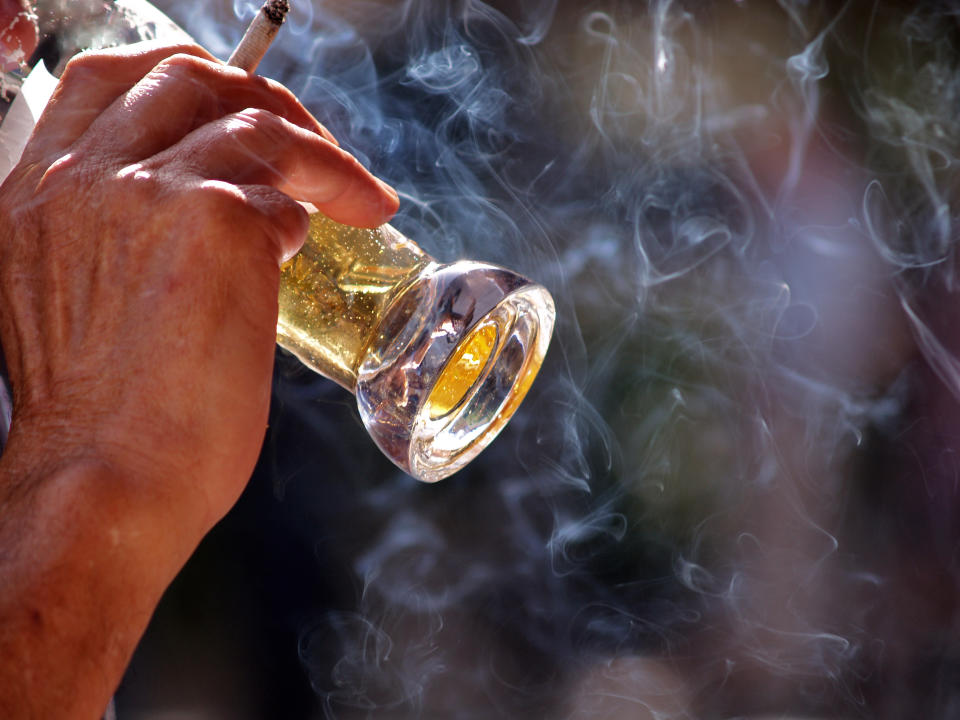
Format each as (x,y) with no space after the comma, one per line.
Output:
(439,356)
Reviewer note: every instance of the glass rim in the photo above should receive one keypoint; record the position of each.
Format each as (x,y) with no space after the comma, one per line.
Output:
(416,341)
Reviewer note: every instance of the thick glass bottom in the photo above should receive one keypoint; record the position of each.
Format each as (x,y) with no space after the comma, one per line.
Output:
(450,363)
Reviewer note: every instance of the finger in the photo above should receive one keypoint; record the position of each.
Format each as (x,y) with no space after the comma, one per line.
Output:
(90,84)
(258,213)
(281,217)
(182,93)
(257,147)
(18,33)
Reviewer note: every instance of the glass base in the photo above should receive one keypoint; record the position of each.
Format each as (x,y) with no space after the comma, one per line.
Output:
(450,363)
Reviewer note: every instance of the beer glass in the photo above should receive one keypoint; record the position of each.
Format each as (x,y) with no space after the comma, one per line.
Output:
(439,356)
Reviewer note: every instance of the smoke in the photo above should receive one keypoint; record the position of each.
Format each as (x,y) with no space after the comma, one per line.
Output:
(710,505)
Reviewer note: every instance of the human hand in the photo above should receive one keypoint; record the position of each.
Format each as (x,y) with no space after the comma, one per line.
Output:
(18,33)
(140,248)
(141,238)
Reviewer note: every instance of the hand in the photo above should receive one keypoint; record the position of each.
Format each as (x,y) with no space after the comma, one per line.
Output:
(18,33)
(140,248)
(141,238)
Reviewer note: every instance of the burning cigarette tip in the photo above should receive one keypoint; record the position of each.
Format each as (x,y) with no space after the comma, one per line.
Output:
(259,35)
(276,11)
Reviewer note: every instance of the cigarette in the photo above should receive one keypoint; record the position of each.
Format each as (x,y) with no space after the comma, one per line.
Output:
(248,54)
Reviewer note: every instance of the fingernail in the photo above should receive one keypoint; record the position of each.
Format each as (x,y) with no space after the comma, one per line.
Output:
(392,202)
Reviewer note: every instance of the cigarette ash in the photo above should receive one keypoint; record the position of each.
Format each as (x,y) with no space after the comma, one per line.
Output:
(276,11)
(732,489)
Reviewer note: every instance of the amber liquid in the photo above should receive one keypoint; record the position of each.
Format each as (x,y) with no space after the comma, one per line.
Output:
(463,370)
(333,293)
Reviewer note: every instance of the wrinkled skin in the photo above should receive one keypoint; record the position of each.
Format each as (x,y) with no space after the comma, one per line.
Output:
(141,238)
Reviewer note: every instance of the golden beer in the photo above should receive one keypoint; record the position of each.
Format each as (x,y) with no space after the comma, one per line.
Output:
(334,291)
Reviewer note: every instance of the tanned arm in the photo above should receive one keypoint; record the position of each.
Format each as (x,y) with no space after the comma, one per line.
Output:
(141,238)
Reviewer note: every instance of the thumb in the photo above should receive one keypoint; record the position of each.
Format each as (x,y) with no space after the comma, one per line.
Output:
(18,33)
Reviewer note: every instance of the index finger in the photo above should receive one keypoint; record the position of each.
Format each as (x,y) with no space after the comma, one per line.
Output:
(183,93)
(257,147)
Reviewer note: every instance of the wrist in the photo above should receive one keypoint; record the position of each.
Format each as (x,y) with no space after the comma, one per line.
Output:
(105,492)
(81,573)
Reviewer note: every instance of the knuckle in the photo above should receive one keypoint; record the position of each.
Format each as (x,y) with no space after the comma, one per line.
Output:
(183,65)
(234,131)
(87,64)
(258,117)
(221,203)
(285,223)
(281,212)
(87,58)
(62,173)
(269,221)
(139,183)
(116,195)
(253,123)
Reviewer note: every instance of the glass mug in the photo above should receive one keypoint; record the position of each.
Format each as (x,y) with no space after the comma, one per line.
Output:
(439,356)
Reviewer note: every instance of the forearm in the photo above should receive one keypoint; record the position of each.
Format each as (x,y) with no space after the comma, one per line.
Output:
(80,575)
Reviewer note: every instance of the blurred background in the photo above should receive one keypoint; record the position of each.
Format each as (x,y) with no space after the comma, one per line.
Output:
(733,491)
